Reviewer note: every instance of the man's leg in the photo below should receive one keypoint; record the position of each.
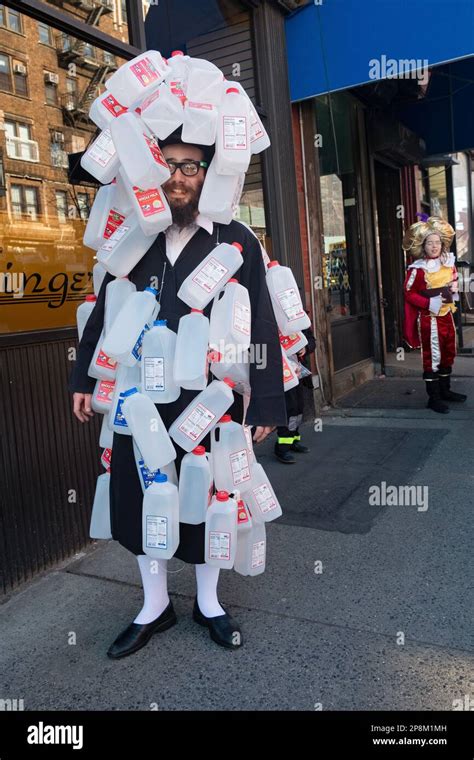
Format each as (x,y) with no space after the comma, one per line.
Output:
(223,629)
(431,352)
(448,353)
(283,445)
(155,588)
(207,577)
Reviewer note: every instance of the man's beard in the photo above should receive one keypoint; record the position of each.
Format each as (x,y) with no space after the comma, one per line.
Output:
(184,214)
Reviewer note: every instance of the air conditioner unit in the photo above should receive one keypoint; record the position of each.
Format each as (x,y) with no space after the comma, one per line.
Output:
(19,68)
(51,78)
(58,137)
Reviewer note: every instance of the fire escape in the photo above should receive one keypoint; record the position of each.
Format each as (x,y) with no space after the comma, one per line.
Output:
(75,105)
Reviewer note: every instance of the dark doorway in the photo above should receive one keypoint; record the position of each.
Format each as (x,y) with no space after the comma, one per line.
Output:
(389,214)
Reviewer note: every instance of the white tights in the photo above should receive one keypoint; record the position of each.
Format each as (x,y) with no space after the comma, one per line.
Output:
(155,589)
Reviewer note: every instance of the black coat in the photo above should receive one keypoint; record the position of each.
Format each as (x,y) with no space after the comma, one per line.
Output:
(267,405)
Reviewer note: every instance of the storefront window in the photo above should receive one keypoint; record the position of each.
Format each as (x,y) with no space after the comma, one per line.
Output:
(438,192)
(339,200)
(461,207)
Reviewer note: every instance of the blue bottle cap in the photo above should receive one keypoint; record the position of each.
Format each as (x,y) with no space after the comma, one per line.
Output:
(130,391)
(160,477)
(152,290)
(160,322)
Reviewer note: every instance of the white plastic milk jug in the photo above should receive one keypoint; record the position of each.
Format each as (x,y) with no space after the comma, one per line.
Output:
(150,206)
(200,416)
(290,378)
(126,377)
(230,456)
(286,300)
(102,396)
(251,544)
(84,310)
(178,79)
(141,158)
(190,369)
(101,159)
(100,518)
(259,139)
(157,360)
(138,77)
(261,498)
(105,109)
(106,438)
(204,84)
(124,249)
(124,339)
(239,372)
(230,320)
(146,476)
(199,123)
(194,487)
(148,429)
(106,216)
(220,194)
(233,134)
(209,277)
(98,274)
(160,516)
(102,366)
(162,112)
(221,531)
(293,343)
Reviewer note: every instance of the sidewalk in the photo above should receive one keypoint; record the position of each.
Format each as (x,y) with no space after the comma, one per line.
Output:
(330,639)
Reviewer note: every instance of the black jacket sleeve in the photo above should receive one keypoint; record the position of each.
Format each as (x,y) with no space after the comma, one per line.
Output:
(311,340)
(79,381)
(267,400)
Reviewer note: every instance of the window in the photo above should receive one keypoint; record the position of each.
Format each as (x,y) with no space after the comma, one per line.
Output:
(83,203)
(51,93)
(19,142)
(71,85)
(61,205)
(13,76)
(10,19)
(25,202)
(44,33)
(124,10)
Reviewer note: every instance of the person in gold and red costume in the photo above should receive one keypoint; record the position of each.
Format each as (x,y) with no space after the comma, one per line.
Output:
(431,290)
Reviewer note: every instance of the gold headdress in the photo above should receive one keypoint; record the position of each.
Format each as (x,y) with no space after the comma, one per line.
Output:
(417,233)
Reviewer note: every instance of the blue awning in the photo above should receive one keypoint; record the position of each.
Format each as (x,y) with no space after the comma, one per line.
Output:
(331,45)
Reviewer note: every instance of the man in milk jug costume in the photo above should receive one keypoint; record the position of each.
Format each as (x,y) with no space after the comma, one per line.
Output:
(431,288)
(182,247)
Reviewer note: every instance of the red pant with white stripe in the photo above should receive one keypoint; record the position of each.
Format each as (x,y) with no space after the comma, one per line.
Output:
(438,343)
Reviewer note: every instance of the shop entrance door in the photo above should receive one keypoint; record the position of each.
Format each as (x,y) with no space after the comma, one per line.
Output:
(389,215)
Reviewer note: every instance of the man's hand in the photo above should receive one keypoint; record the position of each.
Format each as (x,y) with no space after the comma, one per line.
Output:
(301,353)
(82,406)
(261,433)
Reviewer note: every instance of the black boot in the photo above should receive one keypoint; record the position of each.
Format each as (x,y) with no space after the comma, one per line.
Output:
(283,454)
(445,390)
(434,401)
(299,447)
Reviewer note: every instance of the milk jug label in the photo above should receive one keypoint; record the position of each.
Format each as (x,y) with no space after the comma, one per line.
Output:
(148,476)
(115,219)
(291,303)
(239,463)
(242,516)
(258,554)
(287,373)
(137,349)
(156,532)
(235,132)
(103,150)
(110,244)
(150,201)
(106,458)
(288,341)
(154,373)
(195,423)
(150,99)
(210,274)
(119,418)
(219,544)
(256,130)
(264,498)
(105,361)
(144,71)
(241,320)
(201,106)
(113,106)
(155,151)
(105,391)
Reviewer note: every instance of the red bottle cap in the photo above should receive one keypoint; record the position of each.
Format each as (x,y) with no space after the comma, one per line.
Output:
(222,496)
(199,450)
(232,89)
(237,245)
(176,52)
(199,311)
(225,418)
(91,298)
(232,279)
(229,382)
(138,111)
(272,264)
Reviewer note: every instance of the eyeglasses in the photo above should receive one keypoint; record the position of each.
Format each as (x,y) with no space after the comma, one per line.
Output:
(188,168)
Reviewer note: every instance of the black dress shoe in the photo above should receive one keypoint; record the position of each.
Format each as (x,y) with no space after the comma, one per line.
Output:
(285,456)
(223,629)
(137,635)
(300,448)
